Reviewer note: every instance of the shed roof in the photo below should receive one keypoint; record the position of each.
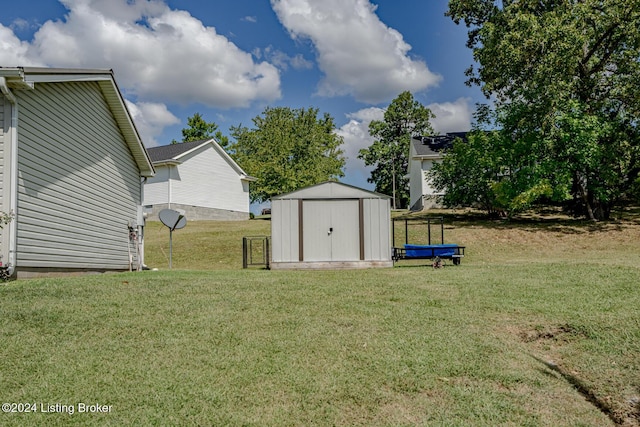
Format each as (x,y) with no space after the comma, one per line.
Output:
(24,78)
(331,190)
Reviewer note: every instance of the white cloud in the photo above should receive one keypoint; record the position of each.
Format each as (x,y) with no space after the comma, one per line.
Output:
(356,137)
(13,51)
(159,54)
(252,19)
(282,60)
(151,119)
(358,53)
(452,116)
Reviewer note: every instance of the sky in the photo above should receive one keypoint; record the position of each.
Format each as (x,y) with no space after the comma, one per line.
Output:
(230,59)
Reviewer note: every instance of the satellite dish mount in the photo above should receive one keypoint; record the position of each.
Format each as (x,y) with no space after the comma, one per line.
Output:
(174,220)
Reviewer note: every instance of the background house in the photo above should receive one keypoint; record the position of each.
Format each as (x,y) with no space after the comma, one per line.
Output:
(330,225)
(71,169)
(424,152)
(200,178)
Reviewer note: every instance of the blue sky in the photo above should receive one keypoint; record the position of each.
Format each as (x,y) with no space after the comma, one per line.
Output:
(229,59)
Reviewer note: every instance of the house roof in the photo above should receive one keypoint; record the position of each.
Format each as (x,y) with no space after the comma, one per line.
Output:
(173,153)
(24,78)
(170,152)
(431,146)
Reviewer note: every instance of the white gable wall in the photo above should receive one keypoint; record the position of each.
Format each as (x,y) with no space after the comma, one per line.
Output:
(206,179)
(79,185)
(156,189)
(421,190)
(416,181)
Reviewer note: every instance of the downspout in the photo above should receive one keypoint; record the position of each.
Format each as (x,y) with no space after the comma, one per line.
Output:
(13,198)
(142,222)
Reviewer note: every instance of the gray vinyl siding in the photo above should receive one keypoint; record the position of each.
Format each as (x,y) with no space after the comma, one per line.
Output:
(2,101)
(79,185)
(4,245)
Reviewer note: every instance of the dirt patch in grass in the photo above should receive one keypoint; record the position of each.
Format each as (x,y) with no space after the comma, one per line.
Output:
(622,410)
(559,334)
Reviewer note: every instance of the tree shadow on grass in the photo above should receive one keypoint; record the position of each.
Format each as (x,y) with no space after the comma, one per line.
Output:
(549,219)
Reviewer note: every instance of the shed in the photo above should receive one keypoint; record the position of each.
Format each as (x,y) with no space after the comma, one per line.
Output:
(330,225)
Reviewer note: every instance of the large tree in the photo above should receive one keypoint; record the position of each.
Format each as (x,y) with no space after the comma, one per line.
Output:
(288,149)
(565,76)
(403,119)
(199,129)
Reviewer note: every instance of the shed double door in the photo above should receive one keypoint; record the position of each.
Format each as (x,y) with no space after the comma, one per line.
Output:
(331,230)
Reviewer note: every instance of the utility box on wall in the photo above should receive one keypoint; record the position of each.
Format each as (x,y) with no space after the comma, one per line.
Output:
(330,225)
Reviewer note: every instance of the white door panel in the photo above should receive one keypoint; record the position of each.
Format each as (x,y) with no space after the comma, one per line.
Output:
(331,230)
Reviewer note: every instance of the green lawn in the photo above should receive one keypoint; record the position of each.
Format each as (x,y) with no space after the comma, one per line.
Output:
(540,325)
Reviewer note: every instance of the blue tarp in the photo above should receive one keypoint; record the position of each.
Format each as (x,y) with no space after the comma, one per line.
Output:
(430,251)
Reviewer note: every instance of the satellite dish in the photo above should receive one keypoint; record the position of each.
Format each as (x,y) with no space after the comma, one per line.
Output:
(173,219)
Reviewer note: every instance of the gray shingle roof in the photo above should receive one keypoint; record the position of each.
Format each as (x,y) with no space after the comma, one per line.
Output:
(432,145)
(171,151)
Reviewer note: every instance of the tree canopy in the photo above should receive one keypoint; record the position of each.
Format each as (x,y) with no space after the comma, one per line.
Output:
(565,76)
(403,119)
(199,129)
(288,149)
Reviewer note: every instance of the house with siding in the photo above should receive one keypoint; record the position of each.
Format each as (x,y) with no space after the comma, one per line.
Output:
(72,166)
(199,178)
(424,152)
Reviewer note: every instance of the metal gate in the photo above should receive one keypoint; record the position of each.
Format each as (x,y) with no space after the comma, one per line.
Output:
(255,251)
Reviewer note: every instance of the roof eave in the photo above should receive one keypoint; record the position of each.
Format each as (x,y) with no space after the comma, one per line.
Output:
(169,162)
(427,156)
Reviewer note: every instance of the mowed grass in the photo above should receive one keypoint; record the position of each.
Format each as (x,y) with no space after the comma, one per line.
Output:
(540,325)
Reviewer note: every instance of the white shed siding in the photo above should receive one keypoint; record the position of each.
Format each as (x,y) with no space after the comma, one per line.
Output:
(284,231)
(342,227)
(79,185)
(207,180)
(156,189)
(377,217)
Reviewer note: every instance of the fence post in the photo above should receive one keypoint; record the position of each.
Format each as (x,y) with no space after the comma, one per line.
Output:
(244,252)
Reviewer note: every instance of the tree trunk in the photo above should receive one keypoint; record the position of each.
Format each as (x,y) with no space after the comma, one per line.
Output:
(581,182)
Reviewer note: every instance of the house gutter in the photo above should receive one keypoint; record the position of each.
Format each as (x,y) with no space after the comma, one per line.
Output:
(13,198)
